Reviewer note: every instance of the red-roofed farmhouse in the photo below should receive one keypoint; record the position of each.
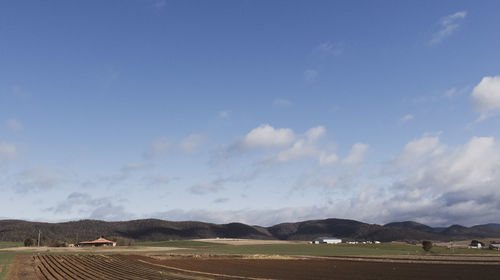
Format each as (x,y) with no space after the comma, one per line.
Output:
(98,242)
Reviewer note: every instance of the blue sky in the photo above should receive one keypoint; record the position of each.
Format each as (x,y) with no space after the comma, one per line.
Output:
(252,111)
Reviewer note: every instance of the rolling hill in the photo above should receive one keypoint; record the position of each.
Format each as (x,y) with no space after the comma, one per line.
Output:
(156,230)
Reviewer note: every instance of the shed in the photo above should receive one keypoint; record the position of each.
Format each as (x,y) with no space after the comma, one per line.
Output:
(327,240)
(495,246)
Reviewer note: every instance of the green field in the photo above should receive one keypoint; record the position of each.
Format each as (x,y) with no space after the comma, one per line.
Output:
(5,260)
(10,244)
(178,243)
(198,247)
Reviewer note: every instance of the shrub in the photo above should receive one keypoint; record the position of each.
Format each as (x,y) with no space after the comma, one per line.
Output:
(29,242)
(426,245)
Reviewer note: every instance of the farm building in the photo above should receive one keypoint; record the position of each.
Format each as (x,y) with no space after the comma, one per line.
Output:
(495,246)
(327,240)
(476,244)
(98,242)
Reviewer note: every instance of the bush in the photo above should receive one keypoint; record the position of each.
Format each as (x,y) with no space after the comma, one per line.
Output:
(29,242)
(426,245)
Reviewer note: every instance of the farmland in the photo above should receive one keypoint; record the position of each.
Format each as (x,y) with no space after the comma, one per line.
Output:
(223,259)
(134,267)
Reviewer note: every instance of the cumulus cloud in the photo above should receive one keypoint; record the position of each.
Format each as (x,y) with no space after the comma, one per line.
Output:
(300,149)
(486,96)
(307,147)
(433,184)
(267,136)
(191,143)
(417,149)
(448,25)
(454,185)
(7,152)
(14,125)
(356,155)
(405,119)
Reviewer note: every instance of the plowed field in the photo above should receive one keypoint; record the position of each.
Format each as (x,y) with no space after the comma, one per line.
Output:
(136,267)
(78,267)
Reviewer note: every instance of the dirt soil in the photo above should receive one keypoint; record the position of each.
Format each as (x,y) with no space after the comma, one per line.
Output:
(21,268)
(311,269)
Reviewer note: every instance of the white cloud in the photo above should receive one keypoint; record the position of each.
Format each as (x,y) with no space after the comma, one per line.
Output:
(438,187)
(486,94)
(282,103)
(310,75)
(159,147)
(418,148)
(307,147)
(263,217)
(14,125)
(441,186)
(7,152)
(224,114)
(357,154)
(313,134)
(267,136)
(406,118)
(92,208)
(448,25)
(37,179)
(327,159)
(328,49)
(191,143)
(300,149)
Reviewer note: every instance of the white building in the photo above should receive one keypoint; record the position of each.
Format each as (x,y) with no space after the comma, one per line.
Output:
(327,240)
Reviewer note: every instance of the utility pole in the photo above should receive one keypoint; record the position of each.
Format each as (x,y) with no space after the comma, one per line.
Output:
(39,232)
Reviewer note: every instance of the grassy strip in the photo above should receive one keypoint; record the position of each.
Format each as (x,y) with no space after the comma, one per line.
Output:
(178,243)
(330,250)
(10,244)
(5,261)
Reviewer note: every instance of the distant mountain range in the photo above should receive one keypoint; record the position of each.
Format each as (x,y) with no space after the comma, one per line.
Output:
(158,230)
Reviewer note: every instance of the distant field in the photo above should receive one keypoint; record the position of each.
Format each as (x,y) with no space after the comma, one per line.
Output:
(196,247)
(178,243)
(10,244)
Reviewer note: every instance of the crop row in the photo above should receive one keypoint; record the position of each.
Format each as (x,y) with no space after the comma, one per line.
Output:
(81,267)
